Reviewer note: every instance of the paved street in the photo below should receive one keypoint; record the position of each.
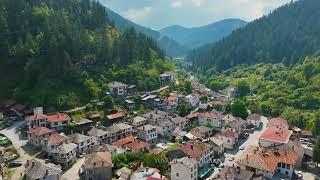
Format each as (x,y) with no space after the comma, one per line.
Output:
(253,139)
(12,133)
(73,172)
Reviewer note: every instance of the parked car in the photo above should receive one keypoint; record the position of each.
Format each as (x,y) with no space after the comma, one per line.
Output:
(231,158)
(15,164)
(221,165)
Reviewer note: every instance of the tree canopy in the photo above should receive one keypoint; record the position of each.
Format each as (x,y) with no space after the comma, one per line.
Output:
(52,51)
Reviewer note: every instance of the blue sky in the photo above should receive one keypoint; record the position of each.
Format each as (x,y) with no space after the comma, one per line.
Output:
(158,14)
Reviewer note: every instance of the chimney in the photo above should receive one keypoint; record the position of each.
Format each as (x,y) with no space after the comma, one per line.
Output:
(191,146)
(102,163)
(47,173)
(33,163)
(94,164)
(38,111)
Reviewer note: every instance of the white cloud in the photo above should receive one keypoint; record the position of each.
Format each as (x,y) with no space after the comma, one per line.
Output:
(137,15)
(197,3)
(176,3)
(190,13)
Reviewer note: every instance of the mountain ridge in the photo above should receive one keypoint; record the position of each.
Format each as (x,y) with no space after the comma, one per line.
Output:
(196,37)
(286,35)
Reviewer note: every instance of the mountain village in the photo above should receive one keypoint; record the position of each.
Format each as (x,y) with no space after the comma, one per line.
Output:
(207,143)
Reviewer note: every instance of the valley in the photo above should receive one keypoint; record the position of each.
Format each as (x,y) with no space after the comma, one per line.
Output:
(89,93)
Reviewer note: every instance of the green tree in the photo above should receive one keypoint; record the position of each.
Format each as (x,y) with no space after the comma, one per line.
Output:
(188,87)
(243,88)
(316,152)
(238,109)
(308,70)
(184,109)
(157,161)
(108,102)
(215,85)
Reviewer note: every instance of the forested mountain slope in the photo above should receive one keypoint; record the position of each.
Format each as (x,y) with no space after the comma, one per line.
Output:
(199,36)
(286,35)
(276,90)
(122,24)
(170,46)
(57,52)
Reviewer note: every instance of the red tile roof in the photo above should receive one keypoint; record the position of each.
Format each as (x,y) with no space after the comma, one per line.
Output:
(130,142)
(266,158)
(137,144)
(229,134)
(211,115)
(116,116)
(36,117)
(171,98)
(123,141)
(56,139)
(276,135)
(193,150)
(39,131)
(193,115)
(278,122)
(58,117)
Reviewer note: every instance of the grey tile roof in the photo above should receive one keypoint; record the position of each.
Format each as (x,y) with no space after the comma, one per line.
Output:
(234,122)
(178,119)
(37,169)
(165,123)
(82,121)
(216,140)
(138,119)
(65,148)
(147,127)
(123,126)
(78,138)
(115,84)
(187,162)
(97,132)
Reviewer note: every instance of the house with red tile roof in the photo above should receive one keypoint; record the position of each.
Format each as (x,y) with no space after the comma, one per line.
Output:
(131,143)
(201,152)
(58,121)
(273,136)
(268,162)
(54,141)
(229,138)
(38,136)
(279,123)
(55,121)
(115,118)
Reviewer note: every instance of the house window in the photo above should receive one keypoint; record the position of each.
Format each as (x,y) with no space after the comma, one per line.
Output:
(65,122)
(177,174)
(56,123)
(288,166)
(283,165)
